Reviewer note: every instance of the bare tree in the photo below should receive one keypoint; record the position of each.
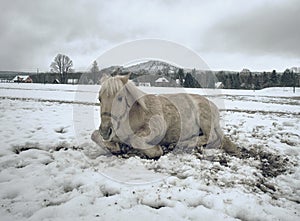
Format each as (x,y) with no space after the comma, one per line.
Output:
(62,64)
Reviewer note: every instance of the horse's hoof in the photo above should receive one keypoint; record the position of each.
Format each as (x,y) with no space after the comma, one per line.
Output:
(154,152)
(96,137)
(155,158)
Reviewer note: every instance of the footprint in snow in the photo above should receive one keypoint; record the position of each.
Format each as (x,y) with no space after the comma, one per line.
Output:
(61,130)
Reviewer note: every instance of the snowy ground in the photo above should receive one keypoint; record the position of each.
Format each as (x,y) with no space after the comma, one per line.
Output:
(51,170)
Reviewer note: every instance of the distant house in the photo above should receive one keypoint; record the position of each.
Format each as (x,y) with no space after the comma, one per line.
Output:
(162,80)
(170,72)
(90,81)
(56,81)
(178,82)
(22,79)
(145,84)
(219,85)
(155,81)
(73,81)
(5,81)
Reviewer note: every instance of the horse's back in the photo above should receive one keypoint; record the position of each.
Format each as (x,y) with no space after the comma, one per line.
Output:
(192,104)
(197,115)
(181,111)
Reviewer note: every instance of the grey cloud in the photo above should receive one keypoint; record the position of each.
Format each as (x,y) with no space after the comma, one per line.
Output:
(268,29)
(34,31)
(31,30)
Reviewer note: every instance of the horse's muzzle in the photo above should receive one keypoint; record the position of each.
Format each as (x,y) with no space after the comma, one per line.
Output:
(105,133)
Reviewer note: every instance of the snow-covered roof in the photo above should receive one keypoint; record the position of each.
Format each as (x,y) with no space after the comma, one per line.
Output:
(72,81)
(21,77)
(161,80)
(218,84)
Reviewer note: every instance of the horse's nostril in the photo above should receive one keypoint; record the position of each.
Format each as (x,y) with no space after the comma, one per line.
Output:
(106,133)
(109,131)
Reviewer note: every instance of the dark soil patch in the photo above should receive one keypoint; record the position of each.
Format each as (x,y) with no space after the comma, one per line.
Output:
(271,165)
(18,150)
(61,147)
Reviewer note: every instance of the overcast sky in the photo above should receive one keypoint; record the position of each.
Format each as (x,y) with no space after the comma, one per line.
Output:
(226,34)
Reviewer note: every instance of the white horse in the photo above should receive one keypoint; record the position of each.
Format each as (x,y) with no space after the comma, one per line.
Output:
(145,122)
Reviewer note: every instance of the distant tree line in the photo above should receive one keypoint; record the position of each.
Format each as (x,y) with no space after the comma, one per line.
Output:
(195,79)
(237,80)
(54,78)
(61,72)
(258,80)
(192,79)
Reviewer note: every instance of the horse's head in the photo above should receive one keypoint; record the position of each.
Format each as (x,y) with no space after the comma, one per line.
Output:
(116,97)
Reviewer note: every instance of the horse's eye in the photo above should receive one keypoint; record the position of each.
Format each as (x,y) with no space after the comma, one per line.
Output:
(120,98)
(100,100)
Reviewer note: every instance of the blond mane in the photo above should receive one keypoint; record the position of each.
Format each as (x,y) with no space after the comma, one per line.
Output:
(111,85)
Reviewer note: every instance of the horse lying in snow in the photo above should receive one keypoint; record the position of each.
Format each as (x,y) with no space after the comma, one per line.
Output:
(146,122)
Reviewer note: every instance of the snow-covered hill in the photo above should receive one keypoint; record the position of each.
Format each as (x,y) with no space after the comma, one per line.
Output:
(152,67)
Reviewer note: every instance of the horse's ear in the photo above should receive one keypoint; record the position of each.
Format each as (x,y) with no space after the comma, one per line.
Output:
(103,78)
(137,95)
(141,102)
(125,78)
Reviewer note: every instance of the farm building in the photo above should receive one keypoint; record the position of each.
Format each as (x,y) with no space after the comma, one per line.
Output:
(56,81)
(155,81)
(22,79)
(72,81)
(219,85)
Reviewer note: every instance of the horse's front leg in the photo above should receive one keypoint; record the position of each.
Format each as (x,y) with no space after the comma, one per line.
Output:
(147,138)
(151,151)
(196,141)
(113,147)
(139,141)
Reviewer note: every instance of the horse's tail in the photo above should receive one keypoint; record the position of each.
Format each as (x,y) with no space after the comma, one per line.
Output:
(230,147)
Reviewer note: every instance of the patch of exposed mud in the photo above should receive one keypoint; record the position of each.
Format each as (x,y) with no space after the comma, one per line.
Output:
(270,164)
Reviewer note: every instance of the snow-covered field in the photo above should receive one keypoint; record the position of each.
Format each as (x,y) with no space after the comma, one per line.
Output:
(51,170)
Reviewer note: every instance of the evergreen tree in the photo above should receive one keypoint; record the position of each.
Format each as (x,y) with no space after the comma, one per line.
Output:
(265,81)
(287,78)
(250,81)
(211,80)
(180,76)
(274,79)
(256,82)
(190,81)
(237,81)
(228,81)
(221,76)
(233,79)
(95,71)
